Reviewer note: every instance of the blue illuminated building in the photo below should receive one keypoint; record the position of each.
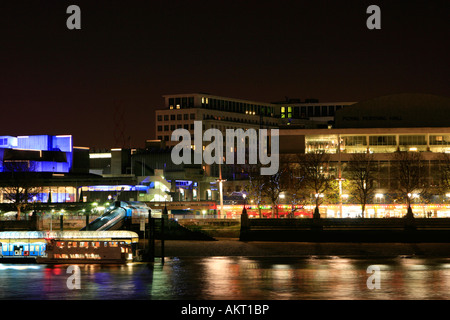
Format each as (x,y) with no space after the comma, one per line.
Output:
(43,153)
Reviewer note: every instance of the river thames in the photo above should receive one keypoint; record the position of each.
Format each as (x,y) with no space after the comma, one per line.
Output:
(234,278)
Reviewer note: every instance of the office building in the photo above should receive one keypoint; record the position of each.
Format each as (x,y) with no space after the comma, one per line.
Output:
(181,110)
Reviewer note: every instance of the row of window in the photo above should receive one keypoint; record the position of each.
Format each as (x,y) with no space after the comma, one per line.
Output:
(77,256)
(245,120)
(254,109)
(309,111)
(404,140)
(181,103)
(239,107)
(161,128)
(172,117)
(173,127)
(86,244)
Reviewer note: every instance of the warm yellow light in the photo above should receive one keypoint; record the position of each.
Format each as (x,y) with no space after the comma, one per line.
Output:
(99,155)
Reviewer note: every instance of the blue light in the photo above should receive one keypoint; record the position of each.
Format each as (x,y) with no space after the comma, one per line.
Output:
(42,143)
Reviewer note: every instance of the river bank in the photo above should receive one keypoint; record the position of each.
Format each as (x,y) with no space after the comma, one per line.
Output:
(234,247)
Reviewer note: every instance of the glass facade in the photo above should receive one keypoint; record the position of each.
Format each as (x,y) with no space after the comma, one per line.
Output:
(439,143)
(321,143)
(354,144)
(376,143)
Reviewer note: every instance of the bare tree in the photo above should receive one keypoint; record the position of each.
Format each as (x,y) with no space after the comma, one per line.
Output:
(410,172)
(360,172)
(444,172)
(316,176)
(293,184)
(295,193)
(19,184)
(255,184)
(272,187)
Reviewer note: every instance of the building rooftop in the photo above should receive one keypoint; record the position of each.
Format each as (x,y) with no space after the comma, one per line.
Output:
(396,111)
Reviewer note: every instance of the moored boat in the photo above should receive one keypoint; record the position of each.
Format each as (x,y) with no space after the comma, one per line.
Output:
(63,251)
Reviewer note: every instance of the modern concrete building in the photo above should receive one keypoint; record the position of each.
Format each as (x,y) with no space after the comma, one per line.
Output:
(413,123)
(181,110)
(42,153)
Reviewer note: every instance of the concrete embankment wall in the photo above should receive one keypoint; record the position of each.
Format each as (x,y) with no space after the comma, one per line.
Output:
(346,230)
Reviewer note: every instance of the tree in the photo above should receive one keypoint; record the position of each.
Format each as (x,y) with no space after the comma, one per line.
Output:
(255,185)
(293,184)
(19,184)
(360,172)
(316,177)
(444,173)
(272,186)
(410,172)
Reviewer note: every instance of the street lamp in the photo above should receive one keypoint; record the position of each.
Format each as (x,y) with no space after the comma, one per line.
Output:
(221,181)
(244,196)
(340,181)
(61,220)
(51,219)
(34,204)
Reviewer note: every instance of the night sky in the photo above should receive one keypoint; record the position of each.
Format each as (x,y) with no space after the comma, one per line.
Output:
(130,53)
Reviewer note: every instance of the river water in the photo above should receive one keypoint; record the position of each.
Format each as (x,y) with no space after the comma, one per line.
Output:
(230,278)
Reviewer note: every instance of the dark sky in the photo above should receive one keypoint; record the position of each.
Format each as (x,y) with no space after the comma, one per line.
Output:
(130,53)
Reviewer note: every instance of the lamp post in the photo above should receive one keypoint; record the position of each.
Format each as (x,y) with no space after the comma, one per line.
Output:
(51,219)
(220,180)
(281,196)
(244,219)
(33,215)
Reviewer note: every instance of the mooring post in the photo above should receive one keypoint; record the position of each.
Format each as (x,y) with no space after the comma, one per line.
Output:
(410,223)
(245,225)
(61,222)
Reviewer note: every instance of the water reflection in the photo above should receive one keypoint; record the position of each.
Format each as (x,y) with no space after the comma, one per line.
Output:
(241,278)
